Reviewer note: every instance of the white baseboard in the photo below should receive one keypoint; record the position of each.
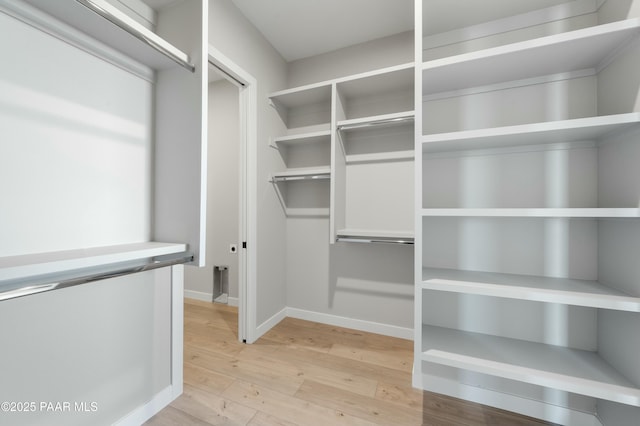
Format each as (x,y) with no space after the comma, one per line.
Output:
(148,410)
(356,324)
(270,323)
(208,297)
(198,295)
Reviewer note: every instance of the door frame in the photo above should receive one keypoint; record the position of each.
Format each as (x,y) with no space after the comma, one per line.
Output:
(247,252)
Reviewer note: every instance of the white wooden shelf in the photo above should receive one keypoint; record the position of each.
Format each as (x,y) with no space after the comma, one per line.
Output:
(302,96)
(315,173)
(535,212)
(383,120)
(587,48)
(581,129)
(380,157)
(111,32)
(30,265)
(307,212)
(391,79)
(570,370)
(301,139)
(527,287)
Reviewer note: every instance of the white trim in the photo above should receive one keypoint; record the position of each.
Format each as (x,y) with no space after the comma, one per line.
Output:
(510,85)
(355,324)
(511,23)
(44,22)
(198,295)
(269,324)
(144,412)
(247,258)
(177,329)
(504,401)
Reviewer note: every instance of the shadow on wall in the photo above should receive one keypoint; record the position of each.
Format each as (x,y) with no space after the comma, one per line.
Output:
(383,270)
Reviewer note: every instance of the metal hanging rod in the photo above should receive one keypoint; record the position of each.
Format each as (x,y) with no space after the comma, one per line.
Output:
(137,33)
(300,177)
(226,74)
(28,289)
(365,239)
(383,122)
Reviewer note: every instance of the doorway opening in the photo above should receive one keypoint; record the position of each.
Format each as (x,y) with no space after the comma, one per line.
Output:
(228,276)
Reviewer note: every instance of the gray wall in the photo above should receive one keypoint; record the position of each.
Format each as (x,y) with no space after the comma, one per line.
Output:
(223,190)
(369,282)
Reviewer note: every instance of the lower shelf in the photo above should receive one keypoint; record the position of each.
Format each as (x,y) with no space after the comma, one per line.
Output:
(374,236)
(569,370)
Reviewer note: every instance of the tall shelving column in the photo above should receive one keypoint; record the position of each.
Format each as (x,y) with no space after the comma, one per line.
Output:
(523,217)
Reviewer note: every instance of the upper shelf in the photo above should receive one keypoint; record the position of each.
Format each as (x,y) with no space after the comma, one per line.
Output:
(575,50)
(114,28)
(302,96)
(311,173)
(30,265)
(581,129)
(526,287)
(302,139)
(374,236)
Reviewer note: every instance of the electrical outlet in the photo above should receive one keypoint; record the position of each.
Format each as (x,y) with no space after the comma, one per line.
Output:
(233,248)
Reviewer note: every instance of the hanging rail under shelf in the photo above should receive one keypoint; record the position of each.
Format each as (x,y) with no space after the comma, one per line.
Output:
(381,122)
(137,33)
(373,239)
(28,289)
(317,176)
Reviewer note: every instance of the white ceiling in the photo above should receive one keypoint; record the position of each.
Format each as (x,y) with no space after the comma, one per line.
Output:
(302,28)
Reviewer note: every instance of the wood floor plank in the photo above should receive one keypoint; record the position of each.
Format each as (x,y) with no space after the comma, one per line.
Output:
(368,408)
(212,409)
(403,395)
(289,408)
(171,416)
(306,368)
(213,339)
(386,358)
(264,419)
(281,378)
(205,379)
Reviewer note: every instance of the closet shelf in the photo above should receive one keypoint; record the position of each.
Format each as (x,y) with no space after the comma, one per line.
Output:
(393,119)
(571,370)
(306,212)
(581,129)
(302,96)
(527,287)
(319,173)
(31,265)
(301,139)
(107,24)
(374,236)
(380,157)
(587,48)
(535,212)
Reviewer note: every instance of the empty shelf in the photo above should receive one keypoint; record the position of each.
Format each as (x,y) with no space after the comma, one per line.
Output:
(393,119)
(380,157)
(581,129)
(570,370)
(300,96)
(303,138)
(17,267)
(570,51)
(536,212)
(526,287)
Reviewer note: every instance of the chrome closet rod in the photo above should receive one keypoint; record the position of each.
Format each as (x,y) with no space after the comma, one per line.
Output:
(154,263)
(385,240)
(375,123)
(300,177)
(136,33)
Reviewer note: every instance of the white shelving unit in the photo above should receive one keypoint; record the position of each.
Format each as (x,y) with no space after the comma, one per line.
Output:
(355,132)
(526,211)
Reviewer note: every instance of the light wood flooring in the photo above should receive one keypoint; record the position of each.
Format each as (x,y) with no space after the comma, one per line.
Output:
(304,373)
